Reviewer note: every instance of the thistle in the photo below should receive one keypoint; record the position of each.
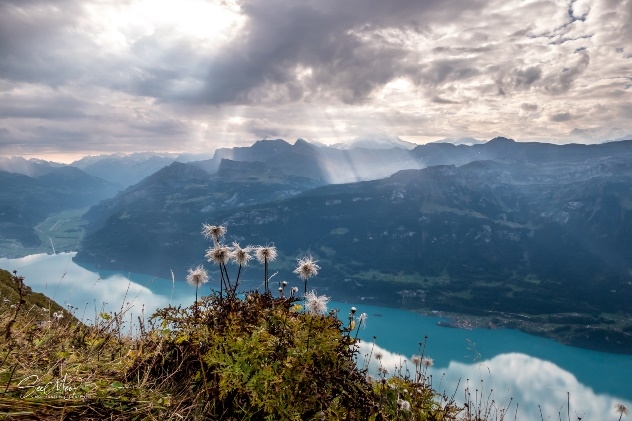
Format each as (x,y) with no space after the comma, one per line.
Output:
(306,268)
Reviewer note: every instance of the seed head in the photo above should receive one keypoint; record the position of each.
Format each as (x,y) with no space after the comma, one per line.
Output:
(379,355)
(362,320)
(241,256)
(214,232)
(265,253)
(416,359)
(403,405)
(197,277)
(428,362)
(218,254)
(306,268)
(621,409)
(315,304)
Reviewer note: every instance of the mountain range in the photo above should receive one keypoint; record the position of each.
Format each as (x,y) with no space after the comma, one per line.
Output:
(499,229)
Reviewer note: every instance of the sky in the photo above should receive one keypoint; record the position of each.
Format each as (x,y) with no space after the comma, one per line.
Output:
(84,77)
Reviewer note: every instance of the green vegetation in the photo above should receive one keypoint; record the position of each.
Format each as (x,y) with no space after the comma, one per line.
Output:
(228,356)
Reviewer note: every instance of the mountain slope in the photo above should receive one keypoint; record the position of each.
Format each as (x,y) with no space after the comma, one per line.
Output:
(25,201)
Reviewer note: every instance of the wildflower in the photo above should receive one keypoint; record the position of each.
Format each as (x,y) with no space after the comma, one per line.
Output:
(428,362)
(416,359)
(197,277)
(403,405)
(306,268)
(378,355)
(621,409)
(362,320)
(315,304)
(213,231)
(218,254)
(241,256)
(266,253)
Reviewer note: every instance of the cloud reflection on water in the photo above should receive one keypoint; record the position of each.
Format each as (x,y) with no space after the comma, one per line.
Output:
(512,378)
(69,284)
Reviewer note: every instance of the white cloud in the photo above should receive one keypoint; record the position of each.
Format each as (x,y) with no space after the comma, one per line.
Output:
(149,74)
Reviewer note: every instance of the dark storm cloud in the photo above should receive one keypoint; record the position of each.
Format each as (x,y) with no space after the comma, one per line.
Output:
(340,42)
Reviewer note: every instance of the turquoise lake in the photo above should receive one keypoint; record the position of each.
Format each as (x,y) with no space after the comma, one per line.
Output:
(521,369)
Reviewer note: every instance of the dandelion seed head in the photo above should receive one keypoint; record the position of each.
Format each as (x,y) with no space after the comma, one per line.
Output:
(306,268)
(379,355)
(315,304)
(197,276)
(266,253)
(428,362)
(416,359)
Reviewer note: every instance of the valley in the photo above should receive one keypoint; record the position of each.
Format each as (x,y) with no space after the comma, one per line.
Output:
(503,234)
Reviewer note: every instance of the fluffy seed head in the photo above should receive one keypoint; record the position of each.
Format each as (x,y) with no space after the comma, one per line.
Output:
(362,320)
(266,253)
(416,359)
(218,254)
(379,355)
(621,409)
(214,232)
(306,268)
(403,405)
(315,304)
(241,256)
(197,277)
(428,362)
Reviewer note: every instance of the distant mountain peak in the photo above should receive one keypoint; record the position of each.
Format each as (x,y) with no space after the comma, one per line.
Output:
(376,141)
(468,141)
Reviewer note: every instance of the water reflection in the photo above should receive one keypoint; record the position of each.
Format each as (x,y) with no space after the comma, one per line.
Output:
(516,383)
(519,381)
(89,293)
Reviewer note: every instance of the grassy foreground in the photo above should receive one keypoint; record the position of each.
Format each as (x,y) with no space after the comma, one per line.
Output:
(249,357)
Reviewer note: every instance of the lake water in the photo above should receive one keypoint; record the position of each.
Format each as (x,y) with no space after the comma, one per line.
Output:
(520,368)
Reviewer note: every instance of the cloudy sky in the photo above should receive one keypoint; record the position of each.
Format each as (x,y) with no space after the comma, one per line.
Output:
(100,76)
